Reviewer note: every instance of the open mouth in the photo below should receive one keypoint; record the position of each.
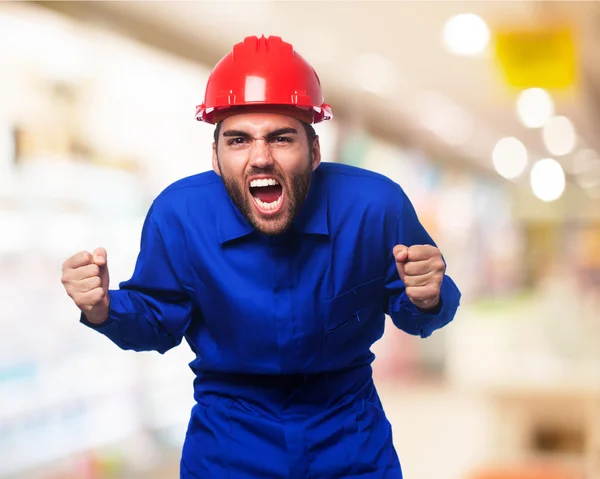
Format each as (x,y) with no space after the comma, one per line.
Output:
(267,194)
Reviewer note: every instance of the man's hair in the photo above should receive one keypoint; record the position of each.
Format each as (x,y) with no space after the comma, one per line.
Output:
(310,133)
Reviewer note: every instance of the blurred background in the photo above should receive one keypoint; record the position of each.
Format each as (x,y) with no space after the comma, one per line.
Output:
(486,113)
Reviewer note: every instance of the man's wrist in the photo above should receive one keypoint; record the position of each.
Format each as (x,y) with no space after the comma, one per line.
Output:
(96,317)
(430,308)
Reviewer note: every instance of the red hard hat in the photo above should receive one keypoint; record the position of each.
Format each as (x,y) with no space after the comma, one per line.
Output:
(263,71)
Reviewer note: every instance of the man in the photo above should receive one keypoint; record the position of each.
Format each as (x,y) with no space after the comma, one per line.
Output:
(278,271)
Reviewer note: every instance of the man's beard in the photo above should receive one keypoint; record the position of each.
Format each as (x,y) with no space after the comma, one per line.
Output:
(294,190)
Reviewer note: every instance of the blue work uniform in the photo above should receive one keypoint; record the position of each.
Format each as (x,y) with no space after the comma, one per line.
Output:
(281,326)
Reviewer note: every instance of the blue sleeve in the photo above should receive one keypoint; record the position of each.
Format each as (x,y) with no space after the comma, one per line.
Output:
(406,316)
(151,311)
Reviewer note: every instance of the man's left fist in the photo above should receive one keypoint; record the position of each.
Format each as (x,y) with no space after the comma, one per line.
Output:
(421,268)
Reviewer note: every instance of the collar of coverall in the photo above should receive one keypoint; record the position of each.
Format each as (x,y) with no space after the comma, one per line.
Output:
(300,114)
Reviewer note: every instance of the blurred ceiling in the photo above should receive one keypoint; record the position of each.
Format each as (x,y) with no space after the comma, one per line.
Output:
(405,37)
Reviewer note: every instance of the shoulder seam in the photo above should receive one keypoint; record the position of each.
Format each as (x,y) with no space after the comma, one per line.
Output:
(175,187)
(363,175)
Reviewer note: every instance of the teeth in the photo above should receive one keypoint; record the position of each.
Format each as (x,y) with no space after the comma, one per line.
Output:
(268,206)
(263,182)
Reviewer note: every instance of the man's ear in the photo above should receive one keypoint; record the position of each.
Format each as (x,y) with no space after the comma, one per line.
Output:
(215,160)
(316,153)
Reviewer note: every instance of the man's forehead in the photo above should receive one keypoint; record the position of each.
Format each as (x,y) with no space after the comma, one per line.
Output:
(260,122)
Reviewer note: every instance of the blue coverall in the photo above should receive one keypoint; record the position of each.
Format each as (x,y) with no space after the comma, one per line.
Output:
(281,326)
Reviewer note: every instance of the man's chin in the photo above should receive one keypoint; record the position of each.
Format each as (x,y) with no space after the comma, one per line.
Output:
(271,226)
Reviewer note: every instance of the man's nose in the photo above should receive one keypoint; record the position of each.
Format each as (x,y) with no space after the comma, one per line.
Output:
(260,155)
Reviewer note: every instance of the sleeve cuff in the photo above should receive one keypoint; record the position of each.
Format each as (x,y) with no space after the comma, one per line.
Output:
(425,322)
(112,316)
(436,310)
(98,327)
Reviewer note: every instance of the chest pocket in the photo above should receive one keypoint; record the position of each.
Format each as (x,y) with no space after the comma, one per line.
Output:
(353,321)
(341,309)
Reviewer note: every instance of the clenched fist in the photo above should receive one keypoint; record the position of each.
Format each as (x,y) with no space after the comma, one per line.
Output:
(85,278)
(421,268)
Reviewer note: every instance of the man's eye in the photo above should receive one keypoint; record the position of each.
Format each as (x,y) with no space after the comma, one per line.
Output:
(236,141)
(283,139)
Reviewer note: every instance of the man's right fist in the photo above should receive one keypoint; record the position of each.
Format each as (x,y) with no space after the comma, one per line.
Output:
(85,278)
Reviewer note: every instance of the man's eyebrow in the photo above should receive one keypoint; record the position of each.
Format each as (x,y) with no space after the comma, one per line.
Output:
(272,134)
(282,131)
(236,133)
